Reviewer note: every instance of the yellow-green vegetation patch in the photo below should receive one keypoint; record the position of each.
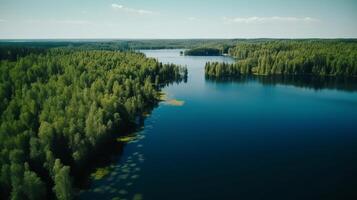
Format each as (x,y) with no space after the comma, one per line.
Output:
(162,96)
(138,197)
(126,138)
(100,173)
(174,102)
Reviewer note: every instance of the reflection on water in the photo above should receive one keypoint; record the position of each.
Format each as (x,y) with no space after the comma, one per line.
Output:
(309,82)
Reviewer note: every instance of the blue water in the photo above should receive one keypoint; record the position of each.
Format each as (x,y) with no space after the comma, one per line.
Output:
(248,139)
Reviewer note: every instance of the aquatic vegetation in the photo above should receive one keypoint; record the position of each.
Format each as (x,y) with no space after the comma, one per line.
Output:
(138,197)
(100,173)
(124,176)
(68,97)
(123,192)
(135,176)
(126,138)
(107,188)
(174,102)
(98,190)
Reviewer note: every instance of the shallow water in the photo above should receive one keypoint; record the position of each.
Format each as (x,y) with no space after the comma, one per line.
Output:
(252,138)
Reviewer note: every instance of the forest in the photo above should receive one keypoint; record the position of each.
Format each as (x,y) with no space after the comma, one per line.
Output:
(203,51)
(58,105)
(121,44)
(290,57)
(62,100)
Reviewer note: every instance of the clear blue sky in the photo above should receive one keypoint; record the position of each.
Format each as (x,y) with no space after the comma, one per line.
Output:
(178,19)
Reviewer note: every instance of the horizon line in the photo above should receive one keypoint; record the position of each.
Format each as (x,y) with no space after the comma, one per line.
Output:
(188,38)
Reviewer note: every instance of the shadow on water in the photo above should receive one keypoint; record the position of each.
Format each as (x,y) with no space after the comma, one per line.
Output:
(309,82)
(112,172)
(107,153)
(111,151)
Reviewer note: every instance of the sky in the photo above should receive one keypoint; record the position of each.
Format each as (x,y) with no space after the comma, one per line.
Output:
(91,19)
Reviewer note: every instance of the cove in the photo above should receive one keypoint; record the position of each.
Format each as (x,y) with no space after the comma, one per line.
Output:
(249,138)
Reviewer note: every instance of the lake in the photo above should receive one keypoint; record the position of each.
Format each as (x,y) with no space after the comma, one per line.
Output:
(249,138)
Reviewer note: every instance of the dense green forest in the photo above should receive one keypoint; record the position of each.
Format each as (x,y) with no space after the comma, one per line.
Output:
(203,51)
(14,52)
(62,100)
(290,57)
(133,44)
(58,106)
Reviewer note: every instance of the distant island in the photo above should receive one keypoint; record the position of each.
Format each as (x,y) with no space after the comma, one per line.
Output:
(203,51)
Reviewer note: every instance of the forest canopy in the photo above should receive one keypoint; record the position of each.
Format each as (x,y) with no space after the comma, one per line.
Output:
(203,51)
(290,57)
(59,105)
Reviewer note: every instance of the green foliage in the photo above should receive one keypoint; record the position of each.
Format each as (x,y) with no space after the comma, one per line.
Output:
(12,52)
(203,51)
(119,45)
(320,58)
(33,187)
(62,181)
(60,105)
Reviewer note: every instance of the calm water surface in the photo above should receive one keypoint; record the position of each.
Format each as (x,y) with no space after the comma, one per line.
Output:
(254,138)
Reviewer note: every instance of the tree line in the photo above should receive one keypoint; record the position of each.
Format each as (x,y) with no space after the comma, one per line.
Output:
(290,57)
(58,106)
(203,51)
(122,44)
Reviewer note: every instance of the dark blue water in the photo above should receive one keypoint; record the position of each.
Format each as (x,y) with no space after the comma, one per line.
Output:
(253,138)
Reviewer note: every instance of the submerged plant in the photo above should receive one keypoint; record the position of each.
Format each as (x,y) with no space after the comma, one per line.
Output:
(100,173)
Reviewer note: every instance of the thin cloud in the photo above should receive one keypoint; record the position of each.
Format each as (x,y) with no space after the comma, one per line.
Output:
(132,10)
(193,19)
(59,21)
(255,20)
(75,22)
